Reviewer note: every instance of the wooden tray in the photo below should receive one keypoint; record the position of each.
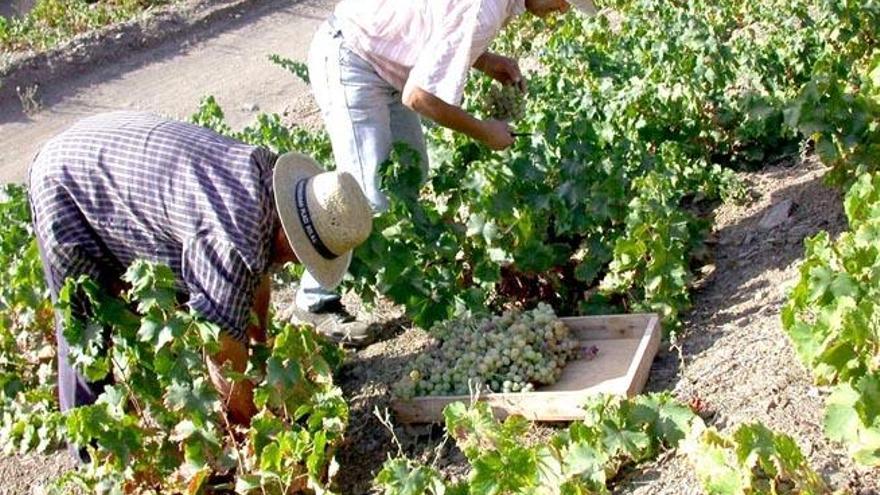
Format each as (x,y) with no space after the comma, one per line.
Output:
(627,346)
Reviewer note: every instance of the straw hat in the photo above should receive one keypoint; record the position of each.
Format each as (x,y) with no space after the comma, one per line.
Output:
(585,6)
(324,214)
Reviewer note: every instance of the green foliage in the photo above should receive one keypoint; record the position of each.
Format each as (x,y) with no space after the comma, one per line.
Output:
(298,69)
(754,460)
(210,115)
(268,131)
(832,320)
(853,417)
(4,30)
(27,352)
(615,434)
(160,426)
(713,76)
(581,459)
(51,22)
(633,115)
(402,476)
(839,108)
(830,315)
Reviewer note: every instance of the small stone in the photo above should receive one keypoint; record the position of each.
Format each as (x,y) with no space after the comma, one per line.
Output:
(418,431)
(250,107)
(777,215)
(46,353)
(768,309)
(713,239)
(748,254)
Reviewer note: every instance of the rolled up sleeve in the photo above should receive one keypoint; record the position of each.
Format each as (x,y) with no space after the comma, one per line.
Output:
(442,70)
(220,284)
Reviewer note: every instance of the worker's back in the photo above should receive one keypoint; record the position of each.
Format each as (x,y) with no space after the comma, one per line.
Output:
(123,186)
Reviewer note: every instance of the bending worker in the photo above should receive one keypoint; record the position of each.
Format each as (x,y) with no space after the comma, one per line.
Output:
(124,186)
(376,67)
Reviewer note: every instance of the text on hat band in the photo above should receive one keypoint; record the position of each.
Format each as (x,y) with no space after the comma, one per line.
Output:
(305,219)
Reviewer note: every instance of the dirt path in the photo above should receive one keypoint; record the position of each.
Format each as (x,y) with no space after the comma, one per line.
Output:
(227,59)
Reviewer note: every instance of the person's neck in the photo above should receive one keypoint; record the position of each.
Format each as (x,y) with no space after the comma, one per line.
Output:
(280,251)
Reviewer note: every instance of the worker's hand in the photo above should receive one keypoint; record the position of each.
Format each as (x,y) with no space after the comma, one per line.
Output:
(497,134)
(503,69)
(237,396)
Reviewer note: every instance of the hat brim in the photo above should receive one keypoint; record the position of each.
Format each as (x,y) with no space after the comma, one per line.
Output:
(289,169)
(585,6)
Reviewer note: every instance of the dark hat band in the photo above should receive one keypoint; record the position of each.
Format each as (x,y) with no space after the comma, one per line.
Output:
(305,219)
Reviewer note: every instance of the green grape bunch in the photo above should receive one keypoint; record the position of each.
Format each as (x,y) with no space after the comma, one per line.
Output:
(510,353)
(505,103)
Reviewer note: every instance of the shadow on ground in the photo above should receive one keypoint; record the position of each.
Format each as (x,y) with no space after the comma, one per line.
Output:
(367,379)
(744,252)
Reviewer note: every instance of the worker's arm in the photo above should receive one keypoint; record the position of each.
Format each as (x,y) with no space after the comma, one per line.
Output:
(262,296)
(239,396)
(494,133)
(228,302)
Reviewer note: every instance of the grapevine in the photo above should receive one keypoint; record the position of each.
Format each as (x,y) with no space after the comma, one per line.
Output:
(614,434)
(513,352)
(830,316)
(29,417)
(160,428)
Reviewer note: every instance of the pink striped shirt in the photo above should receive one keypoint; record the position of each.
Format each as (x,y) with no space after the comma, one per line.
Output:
(430,44)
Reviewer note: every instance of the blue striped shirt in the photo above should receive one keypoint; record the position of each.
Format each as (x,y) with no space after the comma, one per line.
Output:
(123,186)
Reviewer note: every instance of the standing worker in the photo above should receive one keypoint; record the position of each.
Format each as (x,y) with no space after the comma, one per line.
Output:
(375,67)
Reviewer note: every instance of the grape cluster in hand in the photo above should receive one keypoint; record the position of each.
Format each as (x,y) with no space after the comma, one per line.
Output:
(508,353)
(505,103)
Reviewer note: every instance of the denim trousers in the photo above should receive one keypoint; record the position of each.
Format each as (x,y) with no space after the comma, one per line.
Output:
(365,117)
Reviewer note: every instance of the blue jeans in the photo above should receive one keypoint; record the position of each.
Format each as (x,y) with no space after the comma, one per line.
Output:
(364,116)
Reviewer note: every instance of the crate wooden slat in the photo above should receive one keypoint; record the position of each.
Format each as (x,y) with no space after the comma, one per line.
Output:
(627,346)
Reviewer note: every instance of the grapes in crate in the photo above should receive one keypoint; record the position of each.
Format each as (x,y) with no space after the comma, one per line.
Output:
(513,352)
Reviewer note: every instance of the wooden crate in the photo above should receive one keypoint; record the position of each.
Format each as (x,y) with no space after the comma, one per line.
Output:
(627,346)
